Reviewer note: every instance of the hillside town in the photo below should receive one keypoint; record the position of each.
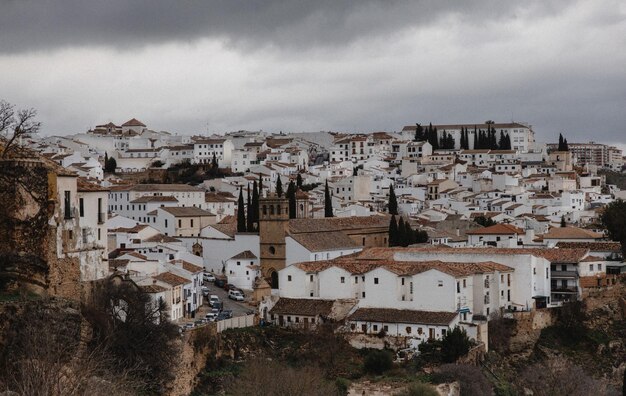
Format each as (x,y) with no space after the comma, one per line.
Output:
(406,235)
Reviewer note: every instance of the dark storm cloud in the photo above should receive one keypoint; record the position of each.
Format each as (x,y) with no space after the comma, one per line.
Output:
(27,25)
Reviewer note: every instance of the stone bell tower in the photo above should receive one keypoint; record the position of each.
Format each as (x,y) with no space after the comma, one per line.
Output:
(273,225)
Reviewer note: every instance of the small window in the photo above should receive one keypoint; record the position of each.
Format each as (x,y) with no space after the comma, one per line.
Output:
(375,327)
(590,267)
(440,283)
(343,279)
(356,279)
(311,278)
(464,283)
(408,329)
(272,250)
(288,278)
(363,294)
(375,281)
(238,262)
(599,267)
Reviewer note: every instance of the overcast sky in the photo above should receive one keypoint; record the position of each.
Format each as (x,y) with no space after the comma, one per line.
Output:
(192,66)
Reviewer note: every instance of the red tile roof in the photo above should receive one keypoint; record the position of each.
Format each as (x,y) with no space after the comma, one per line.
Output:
(387,315)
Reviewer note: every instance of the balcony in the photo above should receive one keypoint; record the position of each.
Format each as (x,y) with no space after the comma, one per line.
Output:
(565,290)
(564,274)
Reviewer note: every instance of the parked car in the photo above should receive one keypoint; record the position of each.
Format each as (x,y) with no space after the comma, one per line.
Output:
(226,314)
(211,316)
(220,282)
(199,322)
(209,277)
(189,326)
(213,300)
(219,305)
(228,287)
(205,291)
(235,295)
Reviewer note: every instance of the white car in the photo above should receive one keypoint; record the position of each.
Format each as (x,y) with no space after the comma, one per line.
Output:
(235,295)
(209,277)
(213,299)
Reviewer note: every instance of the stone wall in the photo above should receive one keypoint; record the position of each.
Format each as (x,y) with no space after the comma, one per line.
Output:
(528,328)
(28,233)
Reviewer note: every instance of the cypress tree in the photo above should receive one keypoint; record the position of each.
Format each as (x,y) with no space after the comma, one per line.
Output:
(401,232)
(560,148)
(279,187)
(291,194)
(475,139)
(419,133)
(328,202)
(241,215)
(249,212)
(255,206)
(299,181)
(393,202)
(260,184)
(393,232)
(214,163)
(565,146)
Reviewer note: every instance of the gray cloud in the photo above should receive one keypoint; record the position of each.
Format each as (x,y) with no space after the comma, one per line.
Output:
(318,65)
(27,25)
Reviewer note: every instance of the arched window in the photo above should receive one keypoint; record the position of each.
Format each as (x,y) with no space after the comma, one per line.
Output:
(264,209)
(271,209)
(278,209)
(272,250)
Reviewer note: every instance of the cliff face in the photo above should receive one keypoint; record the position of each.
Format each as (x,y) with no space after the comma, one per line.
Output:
(29,234)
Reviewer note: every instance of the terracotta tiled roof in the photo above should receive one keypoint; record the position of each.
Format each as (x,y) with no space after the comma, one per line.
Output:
(552,255)
(387,315)
(324,241)
(134,122)
(405,268)
(218,197)
(571,233)
(157,187)
(497,229)
(592,246)
(137,255)
(161,238)
(187,266)
(337,224)
(154,198)
(187,211)
(171,279)
(229,229)
(87,186)
(152,289)
(592,259)
(244,255)
(302,306)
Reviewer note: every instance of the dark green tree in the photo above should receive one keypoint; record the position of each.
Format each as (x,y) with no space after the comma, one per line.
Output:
(214,163)
(614,220)
(455,344)
(250,212)
(279,187)
(475,146)
(291,194)
(260,184)
(401,239)
(563,223)
(484,221)
(393,201)
(328,202)
(299,181)
(255,207)
(378,361)
(560,147)
(419,133)
(393,232)
(241,214)
(110,165)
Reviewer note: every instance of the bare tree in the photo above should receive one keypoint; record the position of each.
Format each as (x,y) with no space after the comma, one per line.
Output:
(45,355)
(266,377)
(559,377)
(16,124)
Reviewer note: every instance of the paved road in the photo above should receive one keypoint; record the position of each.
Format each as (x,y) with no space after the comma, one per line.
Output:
(238,308)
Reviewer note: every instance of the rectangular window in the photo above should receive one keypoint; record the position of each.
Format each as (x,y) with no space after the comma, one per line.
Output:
(599,267)
(375,281)
(356,279)
(440,283)
(81,207)
(99,234)
(66,204)
(343,279)
(363,294)
(311,278)
(458,287)
(464,284)
(180,223)
(191,222)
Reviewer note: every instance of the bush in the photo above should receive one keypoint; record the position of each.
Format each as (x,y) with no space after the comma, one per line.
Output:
(342,385)
(419,389)
(377,362)
(455,344)
(471,380)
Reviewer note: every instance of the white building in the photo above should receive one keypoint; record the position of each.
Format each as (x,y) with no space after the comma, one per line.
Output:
(242,270)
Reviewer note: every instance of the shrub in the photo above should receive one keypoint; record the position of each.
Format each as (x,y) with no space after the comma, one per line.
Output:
(471,380)
(377,362)
(455,344)
(342,385)
(418,389)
